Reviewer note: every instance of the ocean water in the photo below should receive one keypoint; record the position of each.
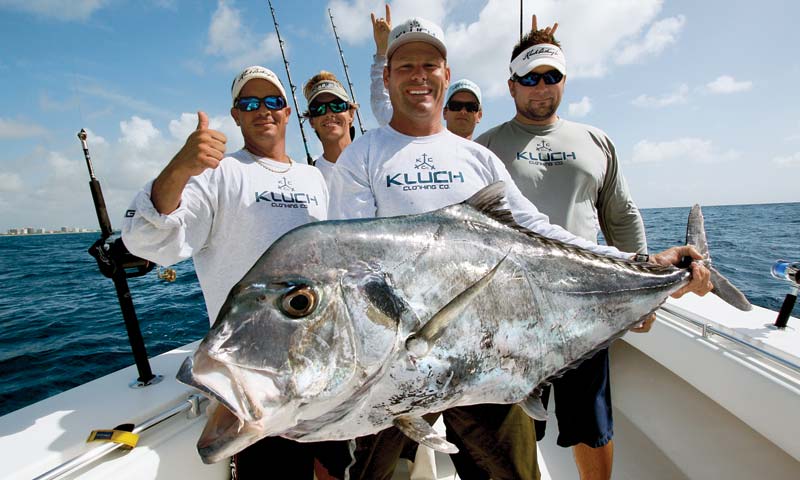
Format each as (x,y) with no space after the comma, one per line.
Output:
(61,326)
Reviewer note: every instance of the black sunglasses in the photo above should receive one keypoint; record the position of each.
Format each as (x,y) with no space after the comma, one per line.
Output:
(550,77)
(455,106)
(251,104)
(319,109)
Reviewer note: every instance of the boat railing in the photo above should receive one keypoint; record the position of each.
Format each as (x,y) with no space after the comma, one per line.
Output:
(191,405)
(708,329)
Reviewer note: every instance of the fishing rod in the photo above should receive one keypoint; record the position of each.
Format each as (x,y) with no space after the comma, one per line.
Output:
(118,264)
(346,72)
(291,85)
(520,20)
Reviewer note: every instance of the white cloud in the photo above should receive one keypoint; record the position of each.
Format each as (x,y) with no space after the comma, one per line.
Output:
(352,17)
(138,132)
(682,150)
(591,32)
(788,161)
(580,109)
(187,123)
(12,129)
(10,182)
(660,35)
(65,10)
(677,97)
(727,84)
(236,43)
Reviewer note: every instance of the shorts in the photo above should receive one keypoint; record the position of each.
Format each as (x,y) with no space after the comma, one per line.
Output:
(494,441)
(582,404)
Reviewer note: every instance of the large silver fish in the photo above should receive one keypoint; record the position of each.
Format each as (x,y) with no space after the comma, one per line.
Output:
(344,328)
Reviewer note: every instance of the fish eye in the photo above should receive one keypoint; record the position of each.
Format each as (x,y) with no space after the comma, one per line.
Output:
(299,302)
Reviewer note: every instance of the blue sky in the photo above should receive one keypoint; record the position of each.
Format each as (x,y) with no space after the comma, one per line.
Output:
(700,98)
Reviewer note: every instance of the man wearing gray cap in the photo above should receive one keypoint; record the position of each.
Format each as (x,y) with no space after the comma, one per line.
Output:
(377,176)
(571,172)
(461,117)
(224,210)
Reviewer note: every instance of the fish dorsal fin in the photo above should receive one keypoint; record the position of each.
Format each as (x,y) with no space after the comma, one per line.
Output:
(417,429)
(489,201)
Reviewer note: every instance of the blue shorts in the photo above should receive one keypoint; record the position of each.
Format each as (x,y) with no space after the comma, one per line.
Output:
(583,404)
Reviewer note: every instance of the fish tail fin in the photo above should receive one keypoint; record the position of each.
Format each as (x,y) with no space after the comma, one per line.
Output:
(724,289)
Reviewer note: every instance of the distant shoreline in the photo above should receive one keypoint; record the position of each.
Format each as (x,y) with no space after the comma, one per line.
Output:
(48,233)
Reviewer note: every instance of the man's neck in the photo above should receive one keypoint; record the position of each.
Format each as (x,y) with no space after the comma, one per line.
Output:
(275,151)
(332,150)
(538,123)
(416,128)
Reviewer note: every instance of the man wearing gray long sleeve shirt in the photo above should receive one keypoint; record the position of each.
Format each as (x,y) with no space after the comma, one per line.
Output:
(570,172)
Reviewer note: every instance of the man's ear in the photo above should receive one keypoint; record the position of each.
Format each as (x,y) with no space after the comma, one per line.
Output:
(386,76)
(235,115)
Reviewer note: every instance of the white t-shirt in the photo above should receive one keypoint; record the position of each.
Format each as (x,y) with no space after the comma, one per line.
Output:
(227,218)
(385,173)
(324,166)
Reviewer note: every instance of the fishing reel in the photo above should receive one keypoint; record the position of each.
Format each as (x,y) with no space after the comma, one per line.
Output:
(113,256)
(787,271)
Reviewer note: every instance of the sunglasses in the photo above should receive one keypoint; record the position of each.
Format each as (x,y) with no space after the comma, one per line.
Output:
(251,104)
(320,109)
(550,77)
(455,106)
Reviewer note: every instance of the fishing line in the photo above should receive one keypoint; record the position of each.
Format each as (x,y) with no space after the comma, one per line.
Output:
(291,85)
(346,71)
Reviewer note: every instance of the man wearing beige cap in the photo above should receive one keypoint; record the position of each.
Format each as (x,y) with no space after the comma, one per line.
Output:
(224,210)
(330,113)
(571,172)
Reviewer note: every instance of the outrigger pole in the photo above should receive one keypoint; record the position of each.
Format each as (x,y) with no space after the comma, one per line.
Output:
(114,260)
(346,72)
(291,85)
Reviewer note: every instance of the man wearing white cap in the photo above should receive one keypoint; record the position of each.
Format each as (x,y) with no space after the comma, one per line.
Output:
(224,210)
(462,108)
(330,113)
(571,172)
(414,165)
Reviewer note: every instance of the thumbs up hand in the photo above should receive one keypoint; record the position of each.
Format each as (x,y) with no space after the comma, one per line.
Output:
(204,148)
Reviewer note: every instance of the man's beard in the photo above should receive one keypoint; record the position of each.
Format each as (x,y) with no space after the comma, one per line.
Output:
(539,112)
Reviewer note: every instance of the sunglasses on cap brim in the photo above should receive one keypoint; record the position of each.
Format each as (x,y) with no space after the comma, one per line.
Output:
(531,79)
(251,104)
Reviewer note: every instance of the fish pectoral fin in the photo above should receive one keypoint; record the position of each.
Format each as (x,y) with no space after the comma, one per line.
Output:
(417,429)
(532,405)
(420,342)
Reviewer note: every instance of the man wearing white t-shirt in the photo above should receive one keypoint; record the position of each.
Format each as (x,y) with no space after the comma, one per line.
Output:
(414,165)
(224,210)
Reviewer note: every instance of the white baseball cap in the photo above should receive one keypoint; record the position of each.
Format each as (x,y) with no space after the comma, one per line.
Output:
(463,85)
(416,29)
(540,54)
(250,73)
